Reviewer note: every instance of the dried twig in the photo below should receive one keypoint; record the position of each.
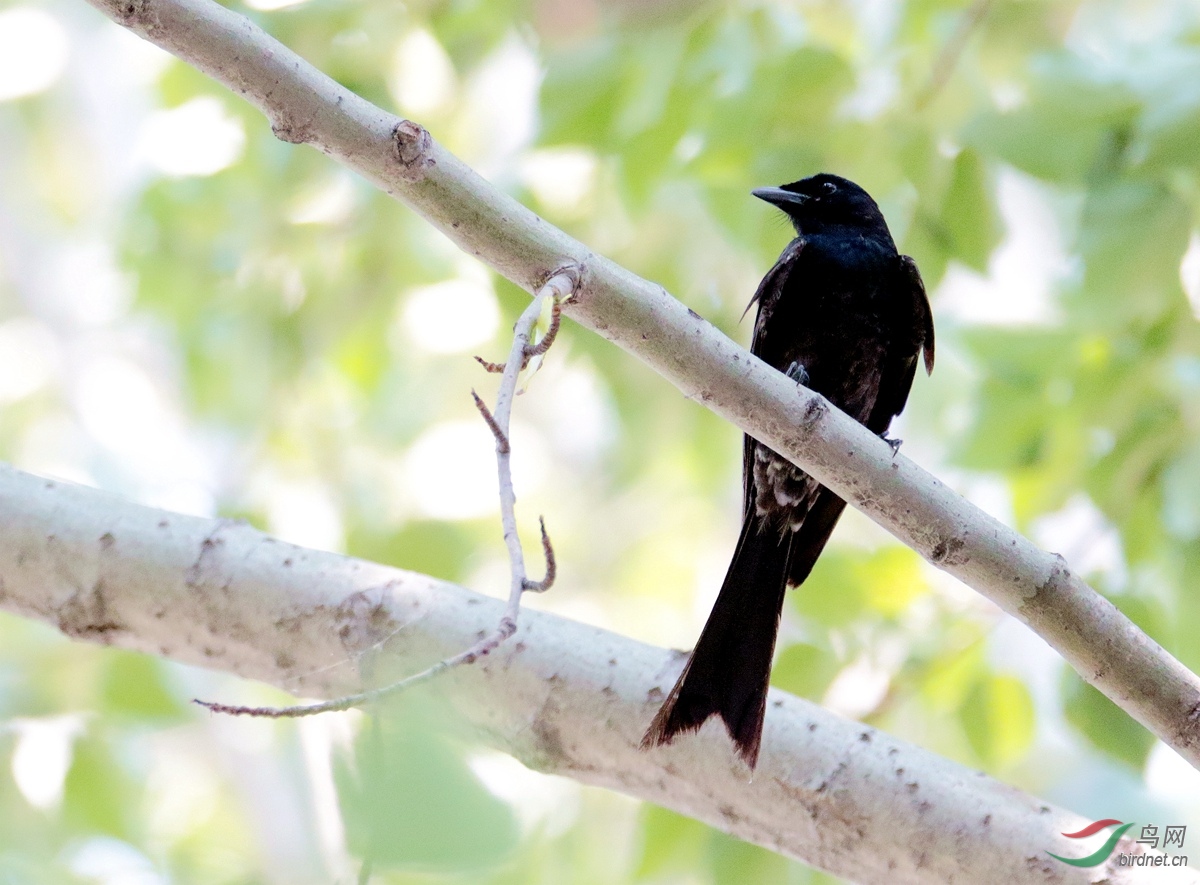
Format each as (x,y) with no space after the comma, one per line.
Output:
(502,446)
(947,59)
(551,333)
(551,566)
(557,288)
(488,365)
(534,349)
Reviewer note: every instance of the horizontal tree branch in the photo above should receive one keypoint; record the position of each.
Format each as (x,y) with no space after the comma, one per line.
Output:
(561,696)
(304,105)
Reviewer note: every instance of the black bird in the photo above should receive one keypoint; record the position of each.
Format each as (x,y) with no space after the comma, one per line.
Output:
(846,315)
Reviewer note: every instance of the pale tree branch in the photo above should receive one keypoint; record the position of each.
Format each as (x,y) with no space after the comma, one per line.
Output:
(399,156)
(561,696)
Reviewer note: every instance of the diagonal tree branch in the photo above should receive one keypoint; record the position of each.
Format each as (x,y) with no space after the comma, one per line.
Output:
(562,696)
(401,157)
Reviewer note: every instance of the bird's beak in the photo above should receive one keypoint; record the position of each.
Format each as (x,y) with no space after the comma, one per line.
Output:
(777,196)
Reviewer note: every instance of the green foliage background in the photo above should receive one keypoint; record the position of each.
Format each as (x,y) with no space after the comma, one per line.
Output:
(255,322)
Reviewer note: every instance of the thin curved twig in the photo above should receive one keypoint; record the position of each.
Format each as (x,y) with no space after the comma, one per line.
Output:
(560,286)
(947,60)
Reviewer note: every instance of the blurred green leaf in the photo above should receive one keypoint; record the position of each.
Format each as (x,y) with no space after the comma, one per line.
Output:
(1133,236)
(136,686)
(410,801)
(1074,108)
(950,678)
(670,843)
(440,549)
(835,593)
(804,670)
(998,717)
(97,796)
(1105,725)
(969,212)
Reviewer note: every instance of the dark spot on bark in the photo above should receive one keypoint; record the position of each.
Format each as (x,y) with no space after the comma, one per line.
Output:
(694,315)
(655,694)
(107,540)
(814,411)
(291,131)
(549,738)
(946,551)
(86,615)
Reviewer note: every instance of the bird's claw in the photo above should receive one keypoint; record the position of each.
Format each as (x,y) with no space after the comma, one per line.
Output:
(797,373)
(894,444)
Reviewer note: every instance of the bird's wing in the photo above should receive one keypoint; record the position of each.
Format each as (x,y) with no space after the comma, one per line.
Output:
(813,534)
(897,377)
(770,288)
(922,315)
(765,297)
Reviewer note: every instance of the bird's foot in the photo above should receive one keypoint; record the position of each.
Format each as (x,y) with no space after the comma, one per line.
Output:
(894,444)
(797,373)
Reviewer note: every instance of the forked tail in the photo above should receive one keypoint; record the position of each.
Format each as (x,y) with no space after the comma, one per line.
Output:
(730,668)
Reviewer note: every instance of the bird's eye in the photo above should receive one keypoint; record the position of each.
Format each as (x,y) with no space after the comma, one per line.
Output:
(829,187)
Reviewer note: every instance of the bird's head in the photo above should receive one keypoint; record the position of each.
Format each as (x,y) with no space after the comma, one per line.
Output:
(822,201)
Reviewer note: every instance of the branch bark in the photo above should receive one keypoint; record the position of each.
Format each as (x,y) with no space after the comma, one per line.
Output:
(561,696)
(401,157)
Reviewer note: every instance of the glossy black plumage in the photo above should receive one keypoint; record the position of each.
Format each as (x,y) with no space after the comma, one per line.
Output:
(846,315)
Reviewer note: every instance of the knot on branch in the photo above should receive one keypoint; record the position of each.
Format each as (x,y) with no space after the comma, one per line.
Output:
(947,552)
(291,131)
(567,280)
(137,15)
(815,411)
(412,144)
(561,285)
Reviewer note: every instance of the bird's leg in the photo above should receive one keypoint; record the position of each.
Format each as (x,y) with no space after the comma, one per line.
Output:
(797,373)
(893,443)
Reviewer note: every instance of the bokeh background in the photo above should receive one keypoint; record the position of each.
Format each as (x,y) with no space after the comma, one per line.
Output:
(201,318)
